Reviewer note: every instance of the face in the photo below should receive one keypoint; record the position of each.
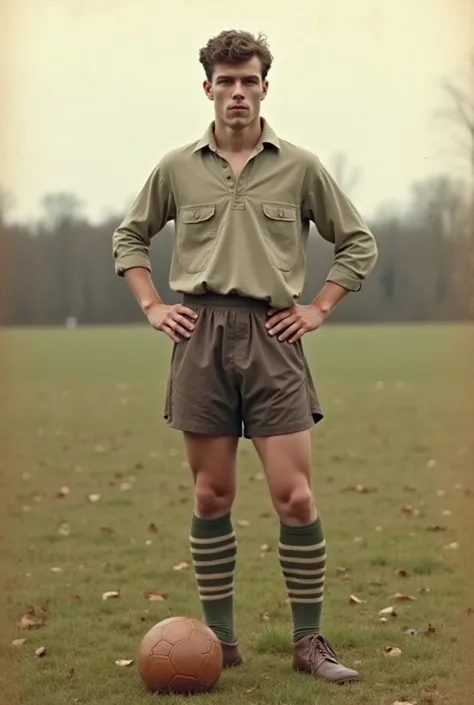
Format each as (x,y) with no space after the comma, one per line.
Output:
(237,91)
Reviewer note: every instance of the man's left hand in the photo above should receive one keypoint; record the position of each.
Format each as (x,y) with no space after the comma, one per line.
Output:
(292,323)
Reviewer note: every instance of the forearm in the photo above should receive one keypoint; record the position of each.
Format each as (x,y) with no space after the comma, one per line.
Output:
(329,297)
(141,285)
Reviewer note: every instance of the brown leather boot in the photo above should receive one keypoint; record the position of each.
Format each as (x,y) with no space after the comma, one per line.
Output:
(231,655)
(314,654)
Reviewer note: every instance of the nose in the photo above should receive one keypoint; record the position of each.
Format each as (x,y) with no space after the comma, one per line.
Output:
(238,91)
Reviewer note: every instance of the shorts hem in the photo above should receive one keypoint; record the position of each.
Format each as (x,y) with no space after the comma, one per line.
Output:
(284,430)
(203,430)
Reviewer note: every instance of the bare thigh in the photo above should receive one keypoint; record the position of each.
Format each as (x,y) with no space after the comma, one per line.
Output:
(286,460)
(212,460)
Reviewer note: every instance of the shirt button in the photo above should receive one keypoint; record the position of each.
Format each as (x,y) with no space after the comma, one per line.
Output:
(280,214)
(196,215)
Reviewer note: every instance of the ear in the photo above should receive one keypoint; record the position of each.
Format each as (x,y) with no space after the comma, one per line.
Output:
(207,86)
(264,90)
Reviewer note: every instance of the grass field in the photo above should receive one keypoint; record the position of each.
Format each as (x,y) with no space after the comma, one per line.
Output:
(391,470)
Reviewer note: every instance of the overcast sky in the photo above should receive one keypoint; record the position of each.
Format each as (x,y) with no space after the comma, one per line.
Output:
(95,91)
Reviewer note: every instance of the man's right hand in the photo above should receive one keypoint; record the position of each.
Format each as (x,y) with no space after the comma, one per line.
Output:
(176,321)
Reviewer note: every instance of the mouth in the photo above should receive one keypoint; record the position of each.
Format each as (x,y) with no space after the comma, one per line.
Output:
(237,108)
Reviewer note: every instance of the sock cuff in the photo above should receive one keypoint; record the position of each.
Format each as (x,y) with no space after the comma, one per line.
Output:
(302,531)
(203,528)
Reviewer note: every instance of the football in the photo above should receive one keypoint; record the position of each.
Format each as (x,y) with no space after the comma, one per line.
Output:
(180,655)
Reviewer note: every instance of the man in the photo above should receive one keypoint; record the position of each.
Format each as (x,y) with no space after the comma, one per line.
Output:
(242,200)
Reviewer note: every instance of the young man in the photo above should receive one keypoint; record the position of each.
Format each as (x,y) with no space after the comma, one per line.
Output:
(242,200)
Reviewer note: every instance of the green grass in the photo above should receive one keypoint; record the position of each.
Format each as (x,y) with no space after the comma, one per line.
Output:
(85,411)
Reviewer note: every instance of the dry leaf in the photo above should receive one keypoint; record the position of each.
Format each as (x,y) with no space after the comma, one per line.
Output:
(55,569)
(446,513)
(264,617)
(29,621)
(106,530)
(441,493)
(63,492)
(148,542)
(454,545)
(243,523)
(358,539)
(153,528)
(181,566)
(251,690)
(258,476)
(124,486)
(402,573)
(388,612)
(123,663)
(361,489)
(354,600)
(341,569)
(431,463)
(93,498)
(157,596)
(99,449)
(110,595)
(392,651)
(403,598)
(435,527)
(18,642)
(40,652)
(64,529)
(384,620)
(403,702)
(424,589)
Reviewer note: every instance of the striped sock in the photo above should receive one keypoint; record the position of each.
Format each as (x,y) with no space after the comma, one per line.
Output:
(214,553)
(302,554)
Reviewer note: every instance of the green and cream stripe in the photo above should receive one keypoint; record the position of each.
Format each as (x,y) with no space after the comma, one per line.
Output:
(302,555)
(213,546)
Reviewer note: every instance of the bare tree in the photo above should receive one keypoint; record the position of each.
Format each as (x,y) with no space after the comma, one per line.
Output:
(346,176)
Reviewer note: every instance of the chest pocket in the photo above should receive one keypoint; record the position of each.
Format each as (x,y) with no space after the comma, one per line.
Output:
(280,229)
(196,231)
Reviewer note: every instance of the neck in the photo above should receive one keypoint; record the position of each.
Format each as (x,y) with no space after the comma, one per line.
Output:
(229,140)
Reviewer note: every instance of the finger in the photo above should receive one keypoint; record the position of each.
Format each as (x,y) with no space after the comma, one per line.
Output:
(299,334)
(185,311)
(177,328)
(181,321)
(277,318)
(171,334)
(282,325)
(291,330)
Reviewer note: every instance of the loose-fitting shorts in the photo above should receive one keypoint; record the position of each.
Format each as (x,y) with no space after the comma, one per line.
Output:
(231,378)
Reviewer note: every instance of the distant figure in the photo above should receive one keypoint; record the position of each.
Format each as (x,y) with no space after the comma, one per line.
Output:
(71,323)
(242,199)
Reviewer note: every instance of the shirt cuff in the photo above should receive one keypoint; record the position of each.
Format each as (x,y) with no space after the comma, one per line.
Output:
(339,274)
(129,261)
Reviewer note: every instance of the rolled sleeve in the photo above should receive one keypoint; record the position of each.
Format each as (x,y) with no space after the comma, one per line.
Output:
(339,222)
(152,209)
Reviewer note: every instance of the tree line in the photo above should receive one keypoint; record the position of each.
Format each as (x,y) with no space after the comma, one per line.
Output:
(61,267)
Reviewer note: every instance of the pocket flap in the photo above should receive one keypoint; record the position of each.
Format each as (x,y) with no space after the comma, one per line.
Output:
(197,214)
(279,211)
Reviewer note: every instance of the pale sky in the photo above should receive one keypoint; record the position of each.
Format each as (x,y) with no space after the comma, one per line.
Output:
(94,92)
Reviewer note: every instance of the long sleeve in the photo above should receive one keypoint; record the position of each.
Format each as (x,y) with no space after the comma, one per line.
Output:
(339,222)
(152,209)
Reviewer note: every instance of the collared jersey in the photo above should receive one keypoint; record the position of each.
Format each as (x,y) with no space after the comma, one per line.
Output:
(247,235)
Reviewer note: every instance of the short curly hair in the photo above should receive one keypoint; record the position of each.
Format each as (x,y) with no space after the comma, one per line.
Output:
(234,46)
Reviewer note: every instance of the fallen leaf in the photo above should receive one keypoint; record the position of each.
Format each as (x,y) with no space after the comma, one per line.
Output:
(378,529)
(358,539)
(435,527)
(392,651)
(55,569)
(243,523)
(384,620)
(424,589)
(446,513)
(110,595)
(63,492)
(99,449)
(123,663)
(403,598)
(258,476)
(148,542)
(40,652)
(388,612)
(403,702)
(156,596)
(153,528)
(409,488)
(452,546)
(18,642)
(441,493)
(264,617)
(431,463)
(29,621)
(124,486)
(181,566)
(354,600)
(64,529)
(93,498)
(402,573)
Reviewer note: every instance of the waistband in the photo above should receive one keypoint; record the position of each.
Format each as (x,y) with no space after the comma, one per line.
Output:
(224,301)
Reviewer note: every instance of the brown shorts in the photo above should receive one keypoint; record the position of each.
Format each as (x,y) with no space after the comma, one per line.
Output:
(231,378)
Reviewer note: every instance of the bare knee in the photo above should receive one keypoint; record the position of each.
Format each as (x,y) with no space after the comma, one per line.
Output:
(296,506)
(212,501)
